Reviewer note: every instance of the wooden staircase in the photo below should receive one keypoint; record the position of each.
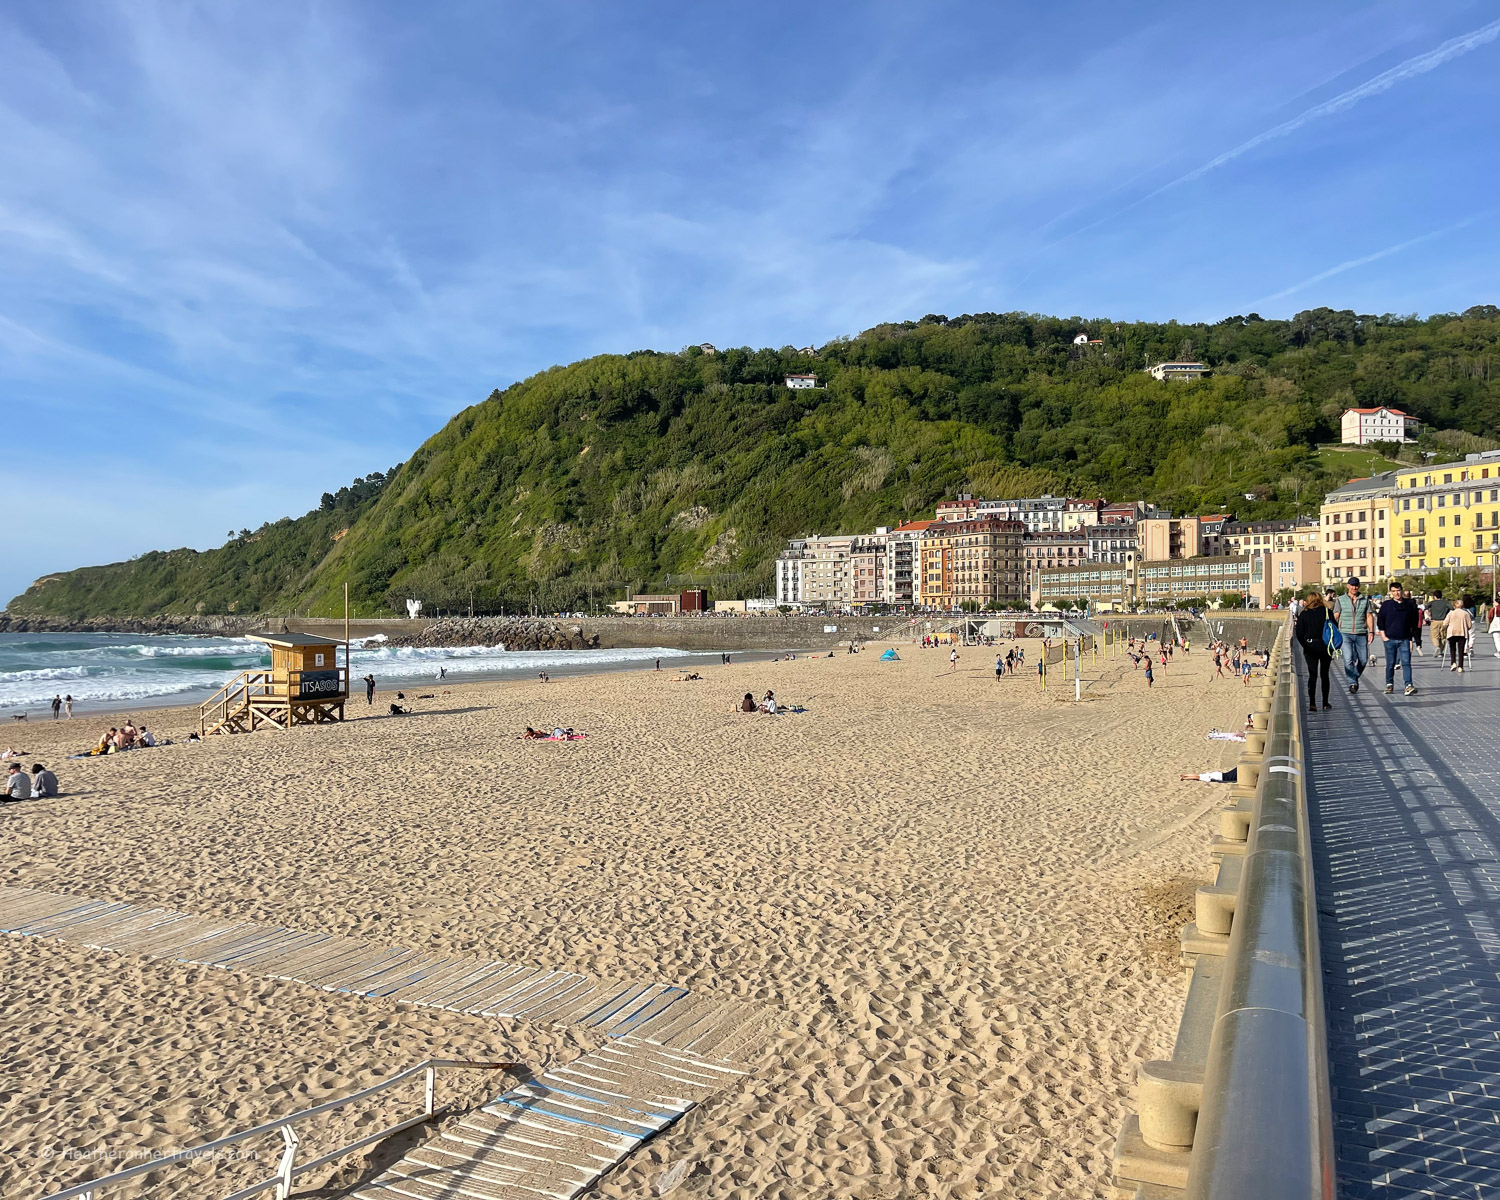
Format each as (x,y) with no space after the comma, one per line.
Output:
(255,698)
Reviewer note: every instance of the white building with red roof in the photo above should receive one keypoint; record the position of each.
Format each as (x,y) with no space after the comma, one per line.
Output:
(1361,426)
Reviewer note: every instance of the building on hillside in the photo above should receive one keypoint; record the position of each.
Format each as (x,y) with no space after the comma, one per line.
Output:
(902,563)
(1108,587)
(1163,537)
(1052,551)
(1163,580)
(1360,426)
(1178,371)
(798,382)
(707,347)
(810,351)
(1447,517)
(978,562)
(1354,530)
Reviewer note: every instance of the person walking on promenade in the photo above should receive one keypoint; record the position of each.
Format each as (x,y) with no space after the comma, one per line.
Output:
(1357,623)
(1310,632)
(1398,622)
(1460,625)
(1437,617)
(369,689)
(1494,627)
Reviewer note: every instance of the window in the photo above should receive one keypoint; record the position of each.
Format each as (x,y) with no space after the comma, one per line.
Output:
(1442,543)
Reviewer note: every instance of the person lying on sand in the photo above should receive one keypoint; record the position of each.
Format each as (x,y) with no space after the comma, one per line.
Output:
(8,754)
(531,734)
(1229,776)
(688,678)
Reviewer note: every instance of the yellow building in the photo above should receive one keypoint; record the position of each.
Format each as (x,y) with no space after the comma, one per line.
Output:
(1355,530)
(1448,516)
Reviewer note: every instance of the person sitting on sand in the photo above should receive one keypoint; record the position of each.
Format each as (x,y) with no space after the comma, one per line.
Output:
(768,705)
(147,738)
(17,783)
(43,782)
(193,736)
(397,711)
(748,703)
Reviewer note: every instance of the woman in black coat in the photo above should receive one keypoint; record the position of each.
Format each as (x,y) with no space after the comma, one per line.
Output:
(1309,633)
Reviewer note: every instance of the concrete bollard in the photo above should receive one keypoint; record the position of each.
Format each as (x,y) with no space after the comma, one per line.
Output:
(1214,908)
(1234,824)
(1169,1097)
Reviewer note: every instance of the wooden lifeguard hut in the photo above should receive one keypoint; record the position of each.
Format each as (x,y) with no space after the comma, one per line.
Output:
(306,685)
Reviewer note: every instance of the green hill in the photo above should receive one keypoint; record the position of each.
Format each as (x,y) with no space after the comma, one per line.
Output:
(650,468)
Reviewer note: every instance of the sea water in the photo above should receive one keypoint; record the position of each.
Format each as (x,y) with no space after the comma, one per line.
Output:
(111,670)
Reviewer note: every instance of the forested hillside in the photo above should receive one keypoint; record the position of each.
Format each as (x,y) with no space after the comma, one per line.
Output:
(649,468)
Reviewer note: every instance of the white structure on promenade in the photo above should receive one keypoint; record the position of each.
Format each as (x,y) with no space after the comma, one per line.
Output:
(1361,426)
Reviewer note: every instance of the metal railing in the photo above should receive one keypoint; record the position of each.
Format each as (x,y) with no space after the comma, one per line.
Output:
(288,1168)
(1242,1110)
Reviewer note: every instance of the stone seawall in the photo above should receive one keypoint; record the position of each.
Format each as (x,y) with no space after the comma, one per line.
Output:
(781,632)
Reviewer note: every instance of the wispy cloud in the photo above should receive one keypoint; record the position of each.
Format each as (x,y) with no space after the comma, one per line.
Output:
(1365,260)
(1418,64)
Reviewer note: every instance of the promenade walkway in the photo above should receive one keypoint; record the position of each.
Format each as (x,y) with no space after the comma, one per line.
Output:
(1405,798)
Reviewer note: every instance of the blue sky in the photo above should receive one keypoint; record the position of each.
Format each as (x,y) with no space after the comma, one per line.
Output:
(249,251)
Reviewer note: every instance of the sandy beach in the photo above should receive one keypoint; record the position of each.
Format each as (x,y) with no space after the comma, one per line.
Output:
(957,898)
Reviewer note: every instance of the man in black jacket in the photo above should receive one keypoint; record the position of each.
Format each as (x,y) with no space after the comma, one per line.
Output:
(1397,622)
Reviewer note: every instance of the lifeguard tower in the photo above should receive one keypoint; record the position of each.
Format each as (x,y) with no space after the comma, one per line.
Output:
(306,685)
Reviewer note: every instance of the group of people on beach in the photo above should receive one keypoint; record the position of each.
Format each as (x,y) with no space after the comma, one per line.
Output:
(1238,658)
(1010,662)
(1333,624)
(41,784)
(124,737)
(766,705)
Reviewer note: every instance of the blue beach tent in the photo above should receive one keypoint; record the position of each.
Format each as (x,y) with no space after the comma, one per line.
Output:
(890,656)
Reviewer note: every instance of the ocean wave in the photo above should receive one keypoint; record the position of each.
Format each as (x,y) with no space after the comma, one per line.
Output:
(114,688)
(239,648)
(411,661)
(43,673)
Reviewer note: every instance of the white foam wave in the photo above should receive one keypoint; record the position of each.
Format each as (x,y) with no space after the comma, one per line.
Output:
(43,673)
(411,661)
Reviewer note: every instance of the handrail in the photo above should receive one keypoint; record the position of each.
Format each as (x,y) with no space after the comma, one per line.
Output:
(1242,1110)
(1265,1126)
(287,1169)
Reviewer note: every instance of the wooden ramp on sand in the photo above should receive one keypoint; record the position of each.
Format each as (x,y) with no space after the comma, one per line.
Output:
(555,1135)
(670,1016)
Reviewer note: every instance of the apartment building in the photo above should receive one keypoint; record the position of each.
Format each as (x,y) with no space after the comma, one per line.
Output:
(867,567)
(902,562)
(1206,576)
(1114,542)
(1354,528)
(979,561)
(1254,537)
(1051,551)
(1447,517)
(1164,537)
(1106,586)
(815,572)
